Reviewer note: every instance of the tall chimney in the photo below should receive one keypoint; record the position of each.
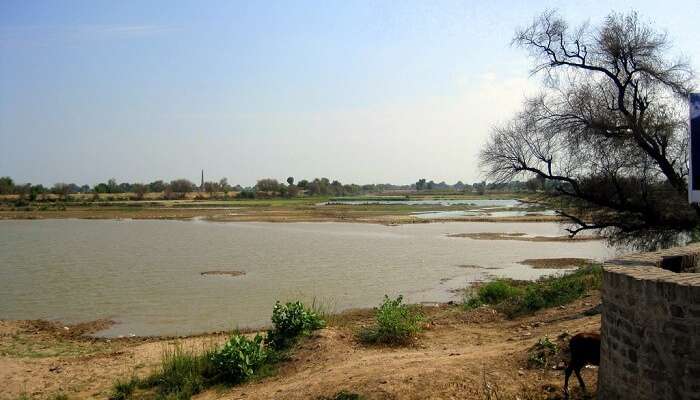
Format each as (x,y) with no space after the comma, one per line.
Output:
(201,187)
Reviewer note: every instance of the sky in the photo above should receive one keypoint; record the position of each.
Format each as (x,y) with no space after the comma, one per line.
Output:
(359,91)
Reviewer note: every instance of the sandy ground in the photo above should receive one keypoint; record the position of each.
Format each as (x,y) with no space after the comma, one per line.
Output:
(461,355)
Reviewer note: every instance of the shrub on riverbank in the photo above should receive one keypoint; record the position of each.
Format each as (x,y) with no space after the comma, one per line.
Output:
(290,322)
(395,324)
(515,298)
(239,359)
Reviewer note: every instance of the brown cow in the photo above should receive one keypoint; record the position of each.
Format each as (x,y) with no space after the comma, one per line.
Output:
(585,350)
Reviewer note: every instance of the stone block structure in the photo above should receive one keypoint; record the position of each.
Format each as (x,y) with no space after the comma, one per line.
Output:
(650,326)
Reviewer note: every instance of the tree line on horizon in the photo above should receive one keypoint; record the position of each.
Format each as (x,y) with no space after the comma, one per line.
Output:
(267,187)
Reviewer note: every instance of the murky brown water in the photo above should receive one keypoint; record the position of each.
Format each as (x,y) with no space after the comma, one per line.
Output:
(147,274)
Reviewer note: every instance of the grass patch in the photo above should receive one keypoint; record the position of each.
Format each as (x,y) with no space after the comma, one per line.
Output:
(518,298)
(123,389)
(395,324)
(182,373)
(494,292)
(35,346)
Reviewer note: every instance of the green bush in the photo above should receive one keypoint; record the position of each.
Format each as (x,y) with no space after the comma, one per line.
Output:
(395,323)
(239,359)
(516,298)
(290,321)
(494,292)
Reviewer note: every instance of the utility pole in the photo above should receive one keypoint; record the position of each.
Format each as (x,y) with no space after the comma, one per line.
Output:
(201,186)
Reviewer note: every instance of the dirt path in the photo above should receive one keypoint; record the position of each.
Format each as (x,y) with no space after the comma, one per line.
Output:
(459,356)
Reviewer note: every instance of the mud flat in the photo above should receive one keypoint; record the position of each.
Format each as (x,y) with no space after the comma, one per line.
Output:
(523,237)
(222,273)
(550,263)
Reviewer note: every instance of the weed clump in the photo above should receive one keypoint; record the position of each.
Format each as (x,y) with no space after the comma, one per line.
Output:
(239,359)
(518,298)
(395,324)
(182,373)
(291,321)
(123,389)
(543,353)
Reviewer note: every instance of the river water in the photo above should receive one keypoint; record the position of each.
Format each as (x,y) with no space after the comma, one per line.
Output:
(146,274)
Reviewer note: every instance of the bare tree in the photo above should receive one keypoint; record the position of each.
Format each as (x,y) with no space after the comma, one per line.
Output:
(609,129)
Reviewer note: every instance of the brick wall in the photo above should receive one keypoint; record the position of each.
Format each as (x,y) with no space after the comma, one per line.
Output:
(651,327)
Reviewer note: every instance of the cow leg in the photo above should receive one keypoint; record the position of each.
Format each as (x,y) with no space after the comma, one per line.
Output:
(580,380)
(567,374)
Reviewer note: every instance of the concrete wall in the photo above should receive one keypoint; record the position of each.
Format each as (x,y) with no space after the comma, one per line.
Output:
(651,327)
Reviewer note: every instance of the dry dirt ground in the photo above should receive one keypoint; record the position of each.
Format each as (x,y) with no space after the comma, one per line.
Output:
(461,355)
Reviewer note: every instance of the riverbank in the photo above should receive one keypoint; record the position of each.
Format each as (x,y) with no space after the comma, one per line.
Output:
(306,209)
(460,355)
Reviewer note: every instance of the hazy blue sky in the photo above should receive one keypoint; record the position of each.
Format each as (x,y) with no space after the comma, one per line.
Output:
(356,91)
